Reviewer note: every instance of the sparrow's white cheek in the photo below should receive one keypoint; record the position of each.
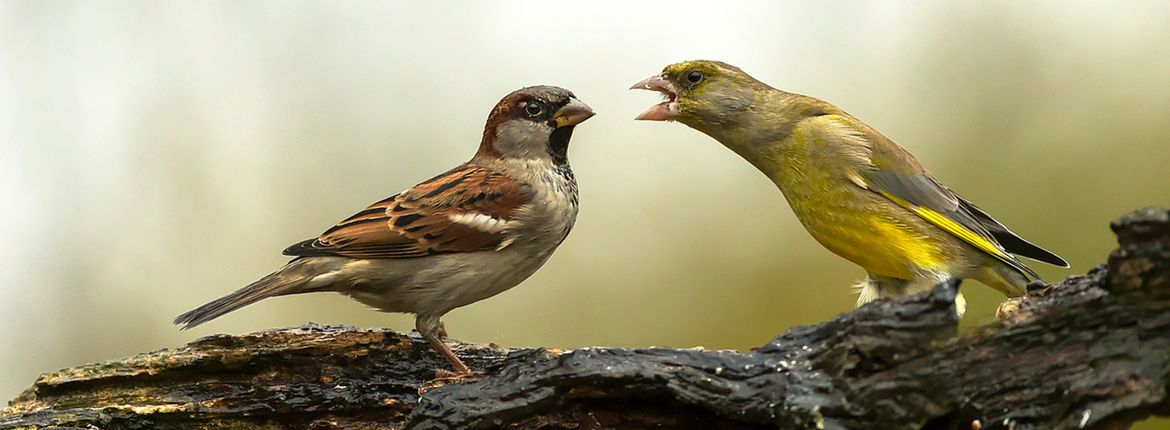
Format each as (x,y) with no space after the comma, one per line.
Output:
(520,138)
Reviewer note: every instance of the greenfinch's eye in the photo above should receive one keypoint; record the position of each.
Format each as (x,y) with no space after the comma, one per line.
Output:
(694,76)
(533,109)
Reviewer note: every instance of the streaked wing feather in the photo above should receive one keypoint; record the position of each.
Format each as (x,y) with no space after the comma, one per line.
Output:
(418,221)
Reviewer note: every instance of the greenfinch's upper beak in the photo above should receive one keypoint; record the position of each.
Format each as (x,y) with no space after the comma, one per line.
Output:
(665,111)
(573,113)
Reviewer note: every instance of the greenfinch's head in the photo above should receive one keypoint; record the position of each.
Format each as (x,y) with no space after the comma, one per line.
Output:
(700,93)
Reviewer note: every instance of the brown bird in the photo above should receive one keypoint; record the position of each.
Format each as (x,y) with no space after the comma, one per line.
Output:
(463,236)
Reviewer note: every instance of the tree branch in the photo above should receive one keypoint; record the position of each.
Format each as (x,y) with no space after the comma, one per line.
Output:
(1090,352)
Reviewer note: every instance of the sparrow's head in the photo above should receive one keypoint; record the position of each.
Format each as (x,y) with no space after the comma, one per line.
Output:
(533,123)
(700,93)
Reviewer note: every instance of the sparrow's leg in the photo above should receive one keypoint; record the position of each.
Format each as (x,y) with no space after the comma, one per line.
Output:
(428,326)
(442,330)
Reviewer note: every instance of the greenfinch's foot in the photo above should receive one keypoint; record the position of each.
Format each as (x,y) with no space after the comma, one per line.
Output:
(1009,310)
(1036,286)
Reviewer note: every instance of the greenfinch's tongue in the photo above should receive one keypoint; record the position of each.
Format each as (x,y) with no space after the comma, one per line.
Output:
(664,111)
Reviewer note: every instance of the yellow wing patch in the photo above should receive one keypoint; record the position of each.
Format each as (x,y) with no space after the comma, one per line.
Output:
(951,227)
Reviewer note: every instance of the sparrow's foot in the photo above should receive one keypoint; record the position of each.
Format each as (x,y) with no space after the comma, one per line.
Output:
(447,374)
(447,377)
(444,350)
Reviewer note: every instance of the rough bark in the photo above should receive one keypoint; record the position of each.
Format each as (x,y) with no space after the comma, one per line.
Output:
(1090,352)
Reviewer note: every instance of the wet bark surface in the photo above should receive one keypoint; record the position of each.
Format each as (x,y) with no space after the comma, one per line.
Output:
(1090,352)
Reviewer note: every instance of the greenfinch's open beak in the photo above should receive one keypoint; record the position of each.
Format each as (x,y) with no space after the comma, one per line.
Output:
(665,111)
(572,114)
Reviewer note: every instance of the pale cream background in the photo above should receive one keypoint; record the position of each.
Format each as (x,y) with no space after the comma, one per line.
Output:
(158,154)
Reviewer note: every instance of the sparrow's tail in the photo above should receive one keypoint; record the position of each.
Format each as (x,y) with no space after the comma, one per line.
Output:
(290,279)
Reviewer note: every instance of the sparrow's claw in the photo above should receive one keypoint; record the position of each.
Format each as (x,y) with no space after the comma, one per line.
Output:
(447,377)
(432,330)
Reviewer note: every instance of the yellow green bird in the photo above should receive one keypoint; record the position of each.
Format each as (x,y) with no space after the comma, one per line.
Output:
(856,191)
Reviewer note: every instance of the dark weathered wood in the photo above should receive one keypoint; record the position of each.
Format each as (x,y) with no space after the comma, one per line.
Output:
(1090,352)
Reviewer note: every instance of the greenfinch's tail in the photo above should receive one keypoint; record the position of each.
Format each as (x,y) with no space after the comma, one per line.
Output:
(1007,279)
(1011,241)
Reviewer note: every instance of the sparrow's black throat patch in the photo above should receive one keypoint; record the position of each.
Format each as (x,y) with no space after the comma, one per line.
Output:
(558,144)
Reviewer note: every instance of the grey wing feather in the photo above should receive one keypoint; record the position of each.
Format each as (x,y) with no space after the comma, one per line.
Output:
(924,191)
(918,188)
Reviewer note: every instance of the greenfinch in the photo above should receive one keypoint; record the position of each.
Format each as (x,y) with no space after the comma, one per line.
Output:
(857,192)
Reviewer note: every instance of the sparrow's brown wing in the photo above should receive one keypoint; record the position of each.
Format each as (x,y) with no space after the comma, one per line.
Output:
(465,209)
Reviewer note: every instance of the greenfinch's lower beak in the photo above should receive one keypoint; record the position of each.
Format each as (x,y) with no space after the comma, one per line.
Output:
(572,114)
(665,111)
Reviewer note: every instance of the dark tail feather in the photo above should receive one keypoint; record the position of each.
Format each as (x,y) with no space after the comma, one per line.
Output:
(278,283)
(1012,242)
(1017,245)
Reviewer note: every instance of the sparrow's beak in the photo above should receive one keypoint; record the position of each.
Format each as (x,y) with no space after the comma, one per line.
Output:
(573,113)
(668,109)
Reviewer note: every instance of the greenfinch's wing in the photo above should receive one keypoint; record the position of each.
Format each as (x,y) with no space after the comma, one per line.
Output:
(923,195)
(897,176)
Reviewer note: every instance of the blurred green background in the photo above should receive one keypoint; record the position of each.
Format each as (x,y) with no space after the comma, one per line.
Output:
(158,155)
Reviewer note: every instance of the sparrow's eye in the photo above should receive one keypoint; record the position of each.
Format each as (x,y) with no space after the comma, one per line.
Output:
(533,109)
(694,76)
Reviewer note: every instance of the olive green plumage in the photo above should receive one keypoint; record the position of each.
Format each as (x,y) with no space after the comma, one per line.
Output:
(856,192)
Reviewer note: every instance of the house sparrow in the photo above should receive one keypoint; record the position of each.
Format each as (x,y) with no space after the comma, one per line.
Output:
(857,192)
(460,237)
